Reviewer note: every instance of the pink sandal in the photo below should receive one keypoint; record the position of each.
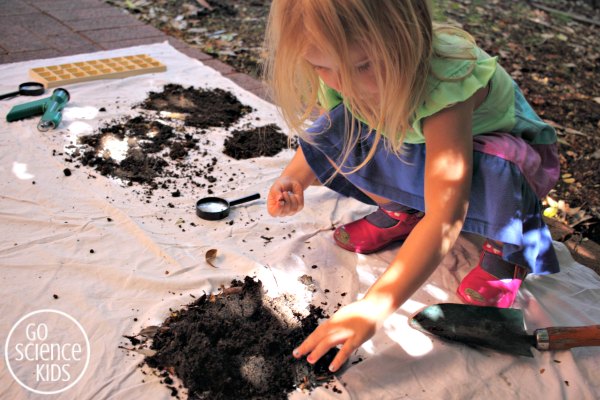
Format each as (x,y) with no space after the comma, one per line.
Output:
(363,237)
(482,288)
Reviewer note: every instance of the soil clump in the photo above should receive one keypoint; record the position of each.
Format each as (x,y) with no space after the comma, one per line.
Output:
(206,108)
(264,141)
(236,344)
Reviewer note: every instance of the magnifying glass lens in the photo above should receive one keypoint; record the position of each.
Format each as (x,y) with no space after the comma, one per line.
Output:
(212,207)
(31,88)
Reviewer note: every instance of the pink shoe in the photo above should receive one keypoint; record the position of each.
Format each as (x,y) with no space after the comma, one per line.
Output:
(363,237)
(481,288)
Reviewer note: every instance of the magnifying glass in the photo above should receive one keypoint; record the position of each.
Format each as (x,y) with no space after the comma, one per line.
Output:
(215,208)
(26,89)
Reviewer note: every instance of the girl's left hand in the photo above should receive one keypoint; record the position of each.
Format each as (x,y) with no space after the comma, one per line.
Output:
(351,325)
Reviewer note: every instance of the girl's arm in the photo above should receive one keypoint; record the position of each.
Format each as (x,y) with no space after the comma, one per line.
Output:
(448,171)
(286,196)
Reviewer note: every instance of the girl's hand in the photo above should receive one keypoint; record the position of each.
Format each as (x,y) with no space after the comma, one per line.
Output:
(351,325)
(286,197)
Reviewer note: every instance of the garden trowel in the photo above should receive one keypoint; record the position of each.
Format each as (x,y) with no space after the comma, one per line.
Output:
(500,329)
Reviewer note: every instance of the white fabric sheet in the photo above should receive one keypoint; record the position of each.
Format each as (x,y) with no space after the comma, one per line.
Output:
(48,229)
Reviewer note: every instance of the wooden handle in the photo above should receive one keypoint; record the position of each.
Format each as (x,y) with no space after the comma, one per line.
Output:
(563,338)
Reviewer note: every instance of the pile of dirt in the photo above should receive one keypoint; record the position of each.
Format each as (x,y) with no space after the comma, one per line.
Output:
(264,141)
(162,147)
(205,108)
(236,344)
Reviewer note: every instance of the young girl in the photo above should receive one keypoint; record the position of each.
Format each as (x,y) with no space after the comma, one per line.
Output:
(422,123)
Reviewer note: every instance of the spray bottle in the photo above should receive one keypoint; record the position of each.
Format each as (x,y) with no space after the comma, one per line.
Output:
(50,108)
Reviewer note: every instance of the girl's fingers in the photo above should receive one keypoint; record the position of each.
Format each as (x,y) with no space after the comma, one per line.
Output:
(342,355)
(291,203)
(320,341)
(308,344)
(325,344)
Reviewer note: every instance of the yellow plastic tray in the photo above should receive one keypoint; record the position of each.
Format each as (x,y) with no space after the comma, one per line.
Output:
(106,68)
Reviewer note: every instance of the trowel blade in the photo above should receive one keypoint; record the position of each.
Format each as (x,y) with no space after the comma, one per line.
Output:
(500,329)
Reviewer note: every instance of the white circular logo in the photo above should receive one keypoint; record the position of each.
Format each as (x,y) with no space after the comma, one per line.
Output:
(47,351)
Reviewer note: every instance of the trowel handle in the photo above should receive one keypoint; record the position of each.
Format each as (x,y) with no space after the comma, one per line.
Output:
(564,338)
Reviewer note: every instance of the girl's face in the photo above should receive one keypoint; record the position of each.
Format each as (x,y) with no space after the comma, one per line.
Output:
(328,70)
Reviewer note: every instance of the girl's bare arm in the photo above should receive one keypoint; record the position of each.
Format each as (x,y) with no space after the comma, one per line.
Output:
(448,172)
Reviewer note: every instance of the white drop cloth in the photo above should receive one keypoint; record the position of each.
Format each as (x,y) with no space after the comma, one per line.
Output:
(48,229)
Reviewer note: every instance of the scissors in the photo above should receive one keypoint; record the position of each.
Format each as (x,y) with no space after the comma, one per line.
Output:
(26,89)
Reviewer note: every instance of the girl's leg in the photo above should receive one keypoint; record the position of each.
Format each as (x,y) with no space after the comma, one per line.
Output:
(493,282)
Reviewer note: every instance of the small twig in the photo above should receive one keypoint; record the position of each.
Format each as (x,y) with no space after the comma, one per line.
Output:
(272,273)
(564,128)
(576,17)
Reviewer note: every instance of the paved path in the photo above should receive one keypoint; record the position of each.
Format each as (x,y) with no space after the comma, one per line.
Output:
(34,29)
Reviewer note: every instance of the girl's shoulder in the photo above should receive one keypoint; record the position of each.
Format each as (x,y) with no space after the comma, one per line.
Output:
(456,57)
(458,69)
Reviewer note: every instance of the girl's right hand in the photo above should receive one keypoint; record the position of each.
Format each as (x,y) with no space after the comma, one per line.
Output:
(286,197)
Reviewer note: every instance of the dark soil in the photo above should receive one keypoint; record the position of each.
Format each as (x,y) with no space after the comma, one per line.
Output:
(264,141)
(552,53)
(236,344)
(204,108)
(164,152)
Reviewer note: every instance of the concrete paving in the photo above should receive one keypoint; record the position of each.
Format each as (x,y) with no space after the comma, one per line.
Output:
(36,29)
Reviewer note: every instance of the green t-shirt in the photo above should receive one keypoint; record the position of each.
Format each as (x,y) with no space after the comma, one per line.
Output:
(453,80)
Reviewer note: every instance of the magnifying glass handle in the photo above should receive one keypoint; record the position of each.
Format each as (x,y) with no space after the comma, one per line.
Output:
(246,199)
(8,95)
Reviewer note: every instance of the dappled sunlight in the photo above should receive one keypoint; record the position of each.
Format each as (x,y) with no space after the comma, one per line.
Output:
(77,113)
(449,236)
(278,281)
(436,292)
(413,342)
(114,147)
(411,306)
(369,347)
(365,276)
(78,128)
(20,171)
(451,166)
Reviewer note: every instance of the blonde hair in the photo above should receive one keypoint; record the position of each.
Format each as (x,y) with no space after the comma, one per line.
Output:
(396,34)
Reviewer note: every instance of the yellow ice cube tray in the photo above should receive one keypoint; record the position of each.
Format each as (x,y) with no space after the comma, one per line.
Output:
(105,68)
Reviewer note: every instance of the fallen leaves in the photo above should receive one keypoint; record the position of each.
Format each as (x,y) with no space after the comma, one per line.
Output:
(561,211)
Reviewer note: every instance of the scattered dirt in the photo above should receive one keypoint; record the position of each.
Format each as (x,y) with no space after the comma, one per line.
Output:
(236,344)
(163,146)
(550,47)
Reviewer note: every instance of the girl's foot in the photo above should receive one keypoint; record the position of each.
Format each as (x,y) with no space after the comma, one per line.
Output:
(493,282)
(377,230)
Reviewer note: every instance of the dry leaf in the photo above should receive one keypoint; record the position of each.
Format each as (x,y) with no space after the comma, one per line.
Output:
(204,4)
(146,352)
(550,212)
(149,331)
(211,255)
